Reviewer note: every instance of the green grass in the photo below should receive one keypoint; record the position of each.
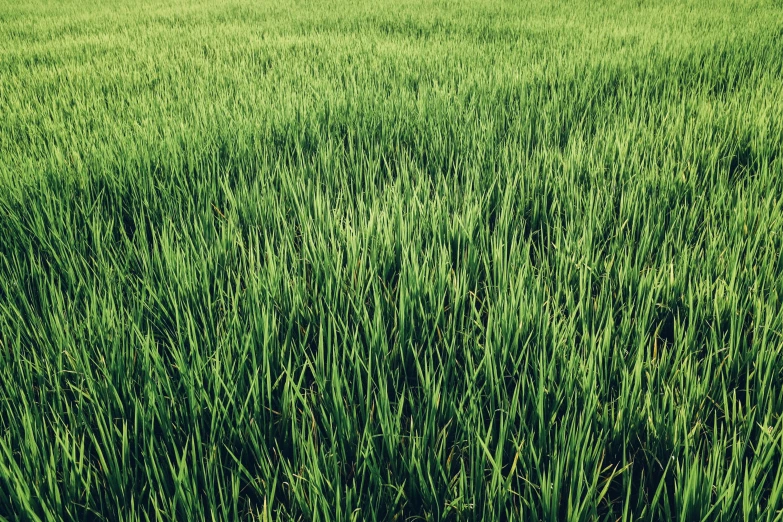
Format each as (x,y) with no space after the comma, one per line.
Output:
(441,260)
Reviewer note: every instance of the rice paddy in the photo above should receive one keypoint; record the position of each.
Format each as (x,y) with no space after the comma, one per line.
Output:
(389,261)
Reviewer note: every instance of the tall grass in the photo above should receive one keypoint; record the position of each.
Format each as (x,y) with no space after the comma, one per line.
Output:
(447,260)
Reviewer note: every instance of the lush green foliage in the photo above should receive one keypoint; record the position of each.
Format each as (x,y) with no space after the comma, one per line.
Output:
(337,260)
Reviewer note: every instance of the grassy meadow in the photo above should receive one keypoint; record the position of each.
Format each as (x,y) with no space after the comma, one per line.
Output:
(386,260)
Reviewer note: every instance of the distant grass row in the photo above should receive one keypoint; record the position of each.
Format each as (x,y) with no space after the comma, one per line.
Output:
(436,261)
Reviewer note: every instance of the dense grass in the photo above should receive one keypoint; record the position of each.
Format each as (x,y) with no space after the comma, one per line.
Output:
(337,260)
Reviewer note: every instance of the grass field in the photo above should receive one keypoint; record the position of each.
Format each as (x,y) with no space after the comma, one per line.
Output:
(391,260)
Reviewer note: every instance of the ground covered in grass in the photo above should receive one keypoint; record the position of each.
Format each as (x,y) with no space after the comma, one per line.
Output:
(443,260)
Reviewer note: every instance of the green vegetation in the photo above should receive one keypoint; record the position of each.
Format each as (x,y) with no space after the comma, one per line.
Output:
(441,260)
